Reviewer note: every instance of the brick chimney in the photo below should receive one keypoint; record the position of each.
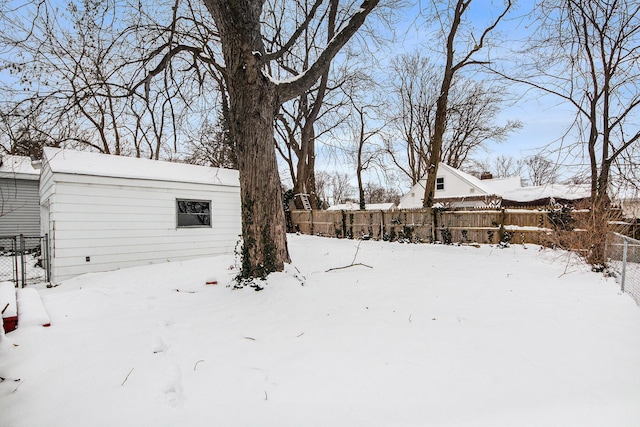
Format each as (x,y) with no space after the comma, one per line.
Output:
(486,175)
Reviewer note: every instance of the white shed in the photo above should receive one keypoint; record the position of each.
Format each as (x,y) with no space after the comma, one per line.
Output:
(105,212)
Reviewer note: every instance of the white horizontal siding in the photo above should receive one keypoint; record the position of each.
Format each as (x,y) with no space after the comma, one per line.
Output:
(121,223)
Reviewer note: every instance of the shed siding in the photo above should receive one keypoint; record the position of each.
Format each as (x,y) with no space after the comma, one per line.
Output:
(126,222)
(19,207)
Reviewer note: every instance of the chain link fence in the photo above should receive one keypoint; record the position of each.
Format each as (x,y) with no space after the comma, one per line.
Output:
(24,259)
(623,257)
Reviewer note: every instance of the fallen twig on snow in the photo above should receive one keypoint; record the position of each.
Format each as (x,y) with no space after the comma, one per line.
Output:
(196,365)
(347,266)
(353,262)
(16,389)
(127,377)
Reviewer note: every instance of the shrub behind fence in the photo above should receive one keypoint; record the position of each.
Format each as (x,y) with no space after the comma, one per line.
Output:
(429,225)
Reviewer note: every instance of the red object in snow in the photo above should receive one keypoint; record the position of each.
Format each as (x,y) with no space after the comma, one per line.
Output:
(10,323)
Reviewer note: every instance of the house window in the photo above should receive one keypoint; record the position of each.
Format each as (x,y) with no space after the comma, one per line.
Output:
(193,213)
(472,190)
(440,183)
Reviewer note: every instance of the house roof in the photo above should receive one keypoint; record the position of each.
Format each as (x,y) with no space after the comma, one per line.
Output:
(97,164)
(503,185)
(482,185)
(542,192)
(19,167)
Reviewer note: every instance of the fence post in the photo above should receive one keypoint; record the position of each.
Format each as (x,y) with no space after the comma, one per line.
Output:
(14,247)
(624,264)
(45,254)
(23,263)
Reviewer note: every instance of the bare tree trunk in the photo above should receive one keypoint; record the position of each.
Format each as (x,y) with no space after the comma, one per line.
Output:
(443,97)
(438,135)
(254,99)
(252,107)
(263,231)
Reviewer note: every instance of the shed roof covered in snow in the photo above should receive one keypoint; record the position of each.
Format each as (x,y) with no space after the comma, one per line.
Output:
(544,193)
(97,164)
(19,167)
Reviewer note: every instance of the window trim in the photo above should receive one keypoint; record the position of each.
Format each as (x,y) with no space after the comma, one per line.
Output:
(440,185)
(178,200)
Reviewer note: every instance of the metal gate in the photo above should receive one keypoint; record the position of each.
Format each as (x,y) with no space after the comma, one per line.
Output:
(24,259)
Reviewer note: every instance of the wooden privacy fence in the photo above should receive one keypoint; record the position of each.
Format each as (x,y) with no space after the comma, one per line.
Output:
(430,225)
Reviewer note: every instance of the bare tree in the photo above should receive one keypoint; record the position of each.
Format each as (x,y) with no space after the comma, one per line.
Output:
(473,107)
(541,171)
(587,53)
(501,166)
(364,123)
(340,188)
(214,146)
(75,67)
(254,98)
(506,166)
(471,119)
(454,63)
(375,193)
(296,121)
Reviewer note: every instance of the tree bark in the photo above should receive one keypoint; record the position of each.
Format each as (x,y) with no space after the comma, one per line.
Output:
(252,107)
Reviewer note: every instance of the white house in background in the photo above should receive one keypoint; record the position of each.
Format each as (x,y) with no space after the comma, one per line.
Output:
(460,189)
(355,206)
(19,200)
(106,212)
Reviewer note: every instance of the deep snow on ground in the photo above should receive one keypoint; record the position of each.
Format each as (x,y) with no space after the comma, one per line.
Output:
(431,335)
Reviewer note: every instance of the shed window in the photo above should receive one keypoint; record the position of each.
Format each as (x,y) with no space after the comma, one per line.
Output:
(193,213)
(440,183)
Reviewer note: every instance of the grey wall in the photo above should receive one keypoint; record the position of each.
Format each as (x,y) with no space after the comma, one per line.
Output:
(19,207)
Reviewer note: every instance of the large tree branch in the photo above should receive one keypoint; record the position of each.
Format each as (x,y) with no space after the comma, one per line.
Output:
(467,59)
(166,60)
(290,89)
(289,44)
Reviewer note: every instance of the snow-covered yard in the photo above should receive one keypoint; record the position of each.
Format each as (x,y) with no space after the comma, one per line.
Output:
(429,336)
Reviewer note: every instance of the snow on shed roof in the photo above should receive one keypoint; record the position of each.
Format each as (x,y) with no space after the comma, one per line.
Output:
(556,191)
(17,167)
(97,164)
(503,185)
